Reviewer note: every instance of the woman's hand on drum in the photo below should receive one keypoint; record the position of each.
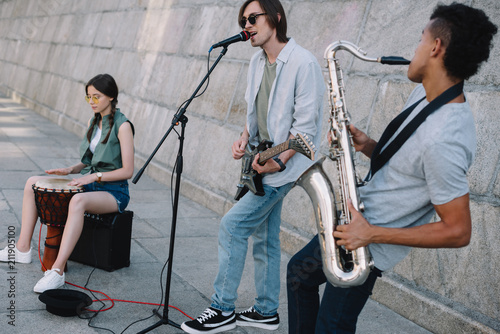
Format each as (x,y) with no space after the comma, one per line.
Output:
(59,171)
(81,181)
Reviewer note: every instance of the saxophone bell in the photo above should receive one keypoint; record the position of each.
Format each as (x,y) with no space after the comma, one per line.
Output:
(342,268)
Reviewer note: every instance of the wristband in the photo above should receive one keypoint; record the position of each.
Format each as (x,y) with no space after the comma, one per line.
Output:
(282,165)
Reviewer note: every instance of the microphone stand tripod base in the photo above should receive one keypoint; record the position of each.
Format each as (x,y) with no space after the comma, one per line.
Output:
(166,321)
(163,321)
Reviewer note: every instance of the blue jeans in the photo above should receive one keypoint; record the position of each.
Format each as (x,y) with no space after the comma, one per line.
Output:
(119,190)
(339,308)
(260,217)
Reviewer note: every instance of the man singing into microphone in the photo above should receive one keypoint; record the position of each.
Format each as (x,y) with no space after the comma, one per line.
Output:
(285,91)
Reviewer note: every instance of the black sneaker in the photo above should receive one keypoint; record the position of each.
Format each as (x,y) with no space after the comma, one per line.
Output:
(210,321)
(251,318)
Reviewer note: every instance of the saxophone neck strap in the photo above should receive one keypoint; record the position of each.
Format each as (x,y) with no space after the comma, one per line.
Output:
(379,158)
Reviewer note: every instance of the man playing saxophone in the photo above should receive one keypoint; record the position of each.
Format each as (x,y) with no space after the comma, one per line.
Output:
(426,175)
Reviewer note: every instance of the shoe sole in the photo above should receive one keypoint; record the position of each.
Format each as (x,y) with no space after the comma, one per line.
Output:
(257,324)
(6,260)
(16,262)
(215,330)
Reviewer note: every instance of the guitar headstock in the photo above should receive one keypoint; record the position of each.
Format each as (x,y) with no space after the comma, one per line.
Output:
(304,145)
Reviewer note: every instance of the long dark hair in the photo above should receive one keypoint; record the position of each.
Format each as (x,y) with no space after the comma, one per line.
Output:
(105,84)
(272,8)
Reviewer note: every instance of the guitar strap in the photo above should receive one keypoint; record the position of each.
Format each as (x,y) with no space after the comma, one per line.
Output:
(378,158)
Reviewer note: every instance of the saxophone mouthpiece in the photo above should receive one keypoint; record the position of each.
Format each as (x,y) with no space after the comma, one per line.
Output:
(392,60)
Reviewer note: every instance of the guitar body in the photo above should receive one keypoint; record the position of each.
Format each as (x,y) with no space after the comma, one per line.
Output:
(250,179)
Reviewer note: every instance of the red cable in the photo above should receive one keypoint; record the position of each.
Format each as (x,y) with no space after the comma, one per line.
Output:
(102,293)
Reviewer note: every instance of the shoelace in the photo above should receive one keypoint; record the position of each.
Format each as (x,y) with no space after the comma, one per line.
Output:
(250,310)
(207,314)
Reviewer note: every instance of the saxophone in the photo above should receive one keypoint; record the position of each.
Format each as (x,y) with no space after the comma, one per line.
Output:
(342,268)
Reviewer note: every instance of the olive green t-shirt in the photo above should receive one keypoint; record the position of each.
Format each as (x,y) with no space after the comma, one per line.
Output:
(262,99)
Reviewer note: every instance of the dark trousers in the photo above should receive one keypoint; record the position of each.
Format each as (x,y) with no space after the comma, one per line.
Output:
(339,308)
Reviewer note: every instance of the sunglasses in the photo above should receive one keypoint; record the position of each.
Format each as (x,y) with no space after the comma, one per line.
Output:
(94,99)
(252,18)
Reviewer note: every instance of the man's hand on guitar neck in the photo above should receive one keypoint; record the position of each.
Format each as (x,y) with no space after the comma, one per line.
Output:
(270,166)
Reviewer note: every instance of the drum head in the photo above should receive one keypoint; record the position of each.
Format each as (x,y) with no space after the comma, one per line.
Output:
(58,185)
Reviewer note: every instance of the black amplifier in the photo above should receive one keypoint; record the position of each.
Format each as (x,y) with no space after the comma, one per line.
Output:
(105,241)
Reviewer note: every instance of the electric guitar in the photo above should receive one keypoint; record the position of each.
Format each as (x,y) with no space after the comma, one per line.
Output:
(250,179)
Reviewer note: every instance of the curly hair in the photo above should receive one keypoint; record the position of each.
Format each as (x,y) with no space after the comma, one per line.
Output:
(105,84)
(466,33)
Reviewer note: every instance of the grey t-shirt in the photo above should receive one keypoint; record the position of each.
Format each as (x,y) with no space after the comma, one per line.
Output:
(430,168)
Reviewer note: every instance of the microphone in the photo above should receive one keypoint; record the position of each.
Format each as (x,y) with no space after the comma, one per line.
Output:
(241,37)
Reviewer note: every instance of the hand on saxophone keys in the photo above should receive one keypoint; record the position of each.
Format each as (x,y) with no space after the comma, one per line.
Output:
(361,142)
(356,234)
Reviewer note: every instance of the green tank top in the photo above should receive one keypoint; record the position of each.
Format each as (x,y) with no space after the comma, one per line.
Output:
(106,157)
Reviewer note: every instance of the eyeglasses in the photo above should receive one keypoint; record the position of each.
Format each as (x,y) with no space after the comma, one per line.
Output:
(252,18)
(94,99)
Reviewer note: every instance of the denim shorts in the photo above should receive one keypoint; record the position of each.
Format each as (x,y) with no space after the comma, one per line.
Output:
(119,190)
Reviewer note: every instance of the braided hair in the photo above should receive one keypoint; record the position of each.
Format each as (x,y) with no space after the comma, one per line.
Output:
(105,84)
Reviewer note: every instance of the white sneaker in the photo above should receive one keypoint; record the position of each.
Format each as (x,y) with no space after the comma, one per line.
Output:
(13,254)
(50,280)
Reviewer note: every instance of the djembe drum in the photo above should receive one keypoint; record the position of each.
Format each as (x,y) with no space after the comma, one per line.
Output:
(52,198)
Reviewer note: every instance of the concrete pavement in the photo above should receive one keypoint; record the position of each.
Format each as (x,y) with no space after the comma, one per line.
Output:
(30,144)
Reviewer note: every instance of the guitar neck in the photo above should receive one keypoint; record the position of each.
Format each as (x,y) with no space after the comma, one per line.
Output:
(273,151)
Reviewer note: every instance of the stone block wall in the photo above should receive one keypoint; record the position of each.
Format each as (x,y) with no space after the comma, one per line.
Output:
(157,51)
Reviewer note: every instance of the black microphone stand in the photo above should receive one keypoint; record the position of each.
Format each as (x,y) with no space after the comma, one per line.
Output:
(179,117)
